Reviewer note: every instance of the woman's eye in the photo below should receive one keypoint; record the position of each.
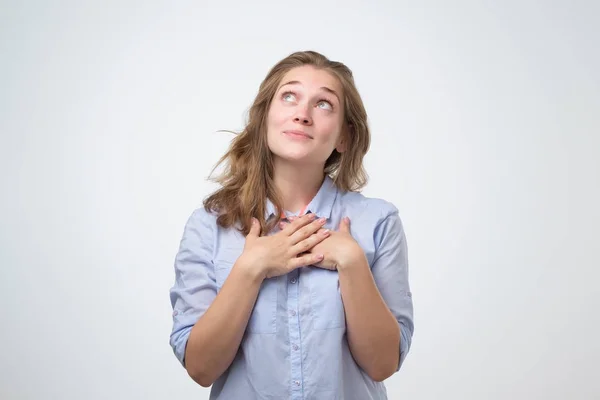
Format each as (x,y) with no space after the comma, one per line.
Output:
(327,105)
(288,96)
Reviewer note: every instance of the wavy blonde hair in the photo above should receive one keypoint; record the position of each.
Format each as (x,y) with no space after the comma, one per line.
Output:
(247,180)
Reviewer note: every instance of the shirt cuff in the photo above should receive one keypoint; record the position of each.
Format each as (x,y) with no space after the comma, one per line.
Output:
(405,340)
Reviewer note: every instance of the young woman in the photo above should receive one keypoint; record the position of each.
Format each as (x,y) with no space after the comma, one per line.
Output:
(290,284)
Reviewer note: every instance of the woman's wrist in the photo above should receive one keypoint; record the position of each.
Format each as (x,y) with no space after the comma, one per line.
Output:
(351,259)
(250,269)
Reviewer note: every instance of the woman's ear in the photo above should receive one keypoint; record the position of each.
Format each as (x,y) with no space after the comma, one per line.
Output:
(342,145)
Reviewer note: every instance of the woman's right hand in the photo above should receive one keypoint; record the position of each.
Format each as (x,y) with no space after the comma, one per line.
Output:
(281,253)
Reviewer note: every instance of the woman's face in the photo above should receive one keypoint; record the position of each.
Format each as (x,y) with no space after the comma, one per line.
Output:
(305,120)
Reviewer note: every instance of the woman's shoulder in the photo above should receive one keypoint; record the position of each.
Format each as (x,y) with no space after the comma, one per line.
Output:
(357,202)
(201,218)
(206,221)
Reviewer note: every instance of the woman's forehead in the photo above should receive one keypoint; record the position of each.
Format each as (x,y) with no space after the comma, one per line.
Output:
(312,77)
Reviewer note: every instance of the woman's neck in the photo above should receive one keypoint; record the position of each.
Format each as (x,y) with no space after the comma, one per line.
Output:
(297,184)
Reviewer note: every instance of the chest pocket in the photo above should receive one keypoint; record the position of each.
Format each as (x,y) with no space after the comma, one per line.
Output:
(263,317)
(326,304)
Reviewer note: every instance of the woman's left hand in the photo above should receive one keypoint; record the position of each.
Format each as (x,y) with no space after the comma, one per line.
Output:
(338,249)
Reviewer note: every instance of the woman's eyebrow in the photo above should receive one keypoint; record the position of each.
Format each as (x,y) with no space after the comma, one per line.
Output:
(325,88)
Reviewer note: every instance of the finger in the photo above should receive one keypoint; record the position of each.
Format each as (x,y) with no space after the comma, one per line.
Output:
(307,259)
(298,223)
(254,229)
(345,225)
(283,224)
(307,230)
(311,241)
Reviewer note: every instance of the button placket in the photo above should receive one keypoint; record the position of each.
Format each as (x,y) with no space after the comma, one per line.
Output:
(294,336)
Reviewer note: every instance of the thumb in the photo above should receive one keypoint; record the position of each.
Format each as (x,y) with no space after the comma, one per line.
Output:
(345,225)
(254,229)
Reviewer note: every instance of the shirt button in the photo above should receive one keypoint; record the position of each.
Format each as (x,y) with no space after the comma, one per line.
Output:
(295,347)
(293,313)
(293,280)
(297,383)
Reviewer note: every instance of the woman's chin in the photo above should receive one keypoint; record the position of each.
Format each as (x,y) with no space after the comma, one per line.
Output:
(293,157)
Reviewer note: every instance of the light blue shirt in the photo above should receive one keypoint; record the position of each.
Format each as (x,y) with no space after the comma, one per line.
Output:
(295,344)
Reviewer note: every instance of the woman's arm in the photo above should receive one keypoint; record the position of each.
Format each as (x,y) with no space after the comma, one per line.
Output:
(378,301)
(208,324)
(372,330)
(215,338)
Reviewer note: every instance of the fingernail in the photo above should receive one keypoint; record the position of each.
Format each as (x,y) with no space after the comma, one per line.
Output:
(325,231)
(320,257)
(322,220)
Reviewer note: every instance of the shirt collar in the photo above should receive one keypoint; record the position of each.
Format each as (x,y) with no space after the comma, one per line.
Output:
(321,204)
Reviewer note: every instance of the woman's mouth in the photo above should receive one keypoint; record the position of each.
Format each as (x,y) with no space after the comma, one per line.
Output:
(297,135)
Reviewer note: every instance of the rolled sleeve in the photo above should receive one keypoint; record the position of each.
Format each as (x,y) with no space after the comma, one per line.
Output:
(195,287)
(390,271)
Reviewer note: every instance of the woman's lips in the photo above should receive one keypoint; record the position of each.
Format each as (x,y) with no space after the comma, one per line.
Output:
(297,135)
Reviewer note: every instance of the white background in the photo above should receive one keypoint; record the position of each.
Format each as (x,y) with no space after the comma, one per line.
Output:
(485,122)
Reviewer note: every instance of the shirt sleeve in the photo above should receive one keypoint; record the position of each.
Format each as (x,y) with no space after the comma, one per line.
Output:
(195,287)
(390,271)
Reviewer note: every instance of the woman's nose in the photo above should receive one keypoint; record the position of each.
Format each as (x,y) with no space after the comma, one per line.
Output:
(303,115)
(304,120)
